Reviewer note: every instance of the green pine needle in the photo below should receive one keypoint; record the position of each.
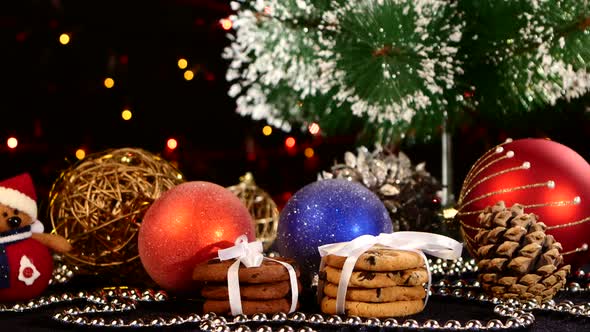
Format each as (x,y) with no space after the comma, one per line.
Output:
(402,67)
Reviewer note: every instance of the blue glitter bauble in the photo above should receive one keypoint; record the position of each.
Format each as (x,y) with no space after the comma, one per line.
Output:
(328,211)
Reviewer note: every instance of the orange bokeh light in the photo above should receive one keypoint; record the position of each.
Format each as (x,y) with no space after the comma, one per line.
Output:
(172,143)
(290,142)
(226,23)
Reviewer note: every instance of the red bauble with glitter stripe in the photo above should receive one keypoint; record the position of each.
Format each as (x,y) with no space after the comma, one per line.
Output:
(550,179)
(31,267)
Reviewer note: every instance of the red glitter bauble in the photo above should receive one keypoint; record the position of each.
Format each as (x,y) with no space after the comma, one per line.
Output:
(187,225)
(550,179)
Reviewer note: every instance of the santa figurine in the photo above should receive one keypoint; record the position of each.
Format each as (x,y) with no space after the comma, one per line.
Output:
(26,263)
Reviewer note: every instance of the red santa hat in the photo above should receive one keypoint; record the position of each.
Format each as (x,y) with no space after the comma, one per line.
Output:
(19,193)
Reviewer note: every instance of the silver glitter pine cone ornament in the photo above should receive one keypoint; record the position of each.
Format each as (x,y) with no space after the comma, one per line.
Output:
(408,191)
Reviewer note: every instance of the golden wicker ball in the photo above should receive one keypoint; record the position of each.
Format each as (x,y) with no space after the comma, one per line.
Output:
(98,205)
(262,208)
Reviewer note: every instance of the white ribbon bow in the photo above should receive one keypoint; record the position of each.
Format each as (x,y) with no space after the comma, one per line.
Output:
(250,254)
(421,242)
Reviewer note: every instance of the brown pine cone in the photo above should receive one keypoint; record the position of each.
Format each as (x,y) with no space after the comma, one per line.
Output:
(516,258)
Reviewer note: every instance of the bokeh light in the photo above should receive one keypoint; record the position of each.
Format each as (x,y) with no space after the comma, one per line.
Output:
(314,128)
(182,63)
(189,75)
(12,142)
(290,142)
(226,23)
(172,143)
(80,154)
(267,130)
(64,39)
(126,114)
(309,152)
(109,82)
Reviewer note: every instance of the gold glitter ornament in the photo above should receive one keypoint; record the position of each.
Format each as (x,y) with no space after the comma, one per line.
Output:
(98,205)
(262,208)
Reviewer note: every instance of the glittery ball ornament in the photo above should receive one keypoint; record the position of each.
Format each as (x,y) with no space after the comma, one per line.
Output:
(328,211)
(187,225)
(408,191)
(98,204)
(548,178)
(261,206)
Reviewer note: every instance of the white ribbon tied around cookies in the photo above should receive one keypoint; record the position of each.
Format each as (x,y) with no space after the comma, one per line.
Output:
(250,254)
(421,242)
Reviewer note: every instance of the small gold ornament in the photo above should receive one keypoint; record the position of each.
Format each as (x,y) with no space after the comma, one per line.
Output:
(262,208)
(98,205)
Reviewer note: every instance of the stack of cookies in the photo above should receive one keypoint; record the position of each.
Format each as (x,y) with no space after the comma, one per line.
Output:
(263,289)
(384,283)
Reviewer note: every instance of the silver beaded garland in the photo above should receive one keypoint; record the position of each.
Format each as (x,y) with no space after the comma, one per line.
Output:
(279,317)
(259,318)
(222,328)
(517,314)
(297,317)
(264,328)
(390,322)
(316,319)
(243,328)
(306,329)
(124,301)
(452,324)
(412,323)
(473,324)
(334,320)
(373,322)
(238,319)
(431,324)
(62,273)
